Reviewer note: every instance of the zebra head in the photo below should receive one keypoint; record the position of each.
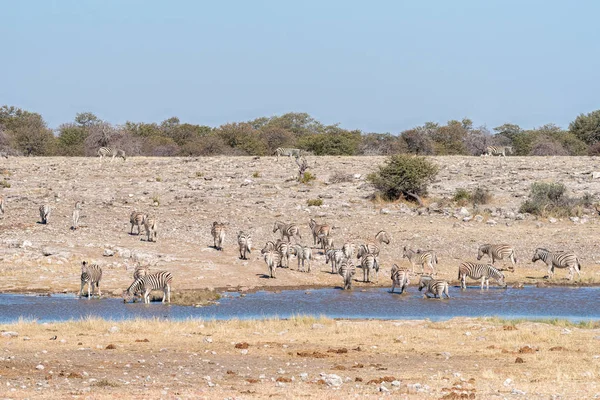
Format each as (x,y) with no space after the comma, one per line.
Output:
(501,280)
(481,251)
(424,281)
(84,266)
(406,253)
(127,296)
(276,226)
(538,254)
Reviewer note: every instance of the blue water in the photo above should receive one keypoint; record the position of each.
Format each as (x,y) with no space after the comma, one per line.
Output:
(575,304)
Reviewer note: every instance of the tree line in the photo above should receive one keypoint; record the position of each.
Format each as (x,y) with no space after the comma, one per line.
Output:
(26,133)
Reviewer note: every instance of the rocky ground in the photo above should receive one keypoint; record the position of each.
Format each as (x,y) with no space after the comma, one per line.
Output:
(188,194)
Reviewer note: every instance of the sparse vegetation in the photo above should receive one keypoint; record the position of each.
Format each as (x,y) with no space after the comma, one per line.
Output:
(199,174)
(314,202)
(156,200)
(4,184)
(256,174)
(550,199)
(307,177)
(478,196)
(340,176)
(158,179)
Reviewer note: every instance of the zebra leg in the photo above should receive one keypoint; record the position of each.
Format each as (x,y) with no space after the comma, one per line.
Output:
(169,294)
(81,289)
(393,286)
(89,286)
(482,282)
(446,291)
(99,291)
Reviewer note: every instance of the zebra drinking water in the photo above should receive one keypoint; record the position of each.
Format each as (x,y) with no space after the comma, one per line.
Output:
(562,259)
(147,283)
(435,287)
(347,271)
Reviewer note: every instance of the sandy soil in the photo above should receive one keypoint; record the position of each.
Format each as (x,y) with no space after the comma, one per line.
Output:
(188,194)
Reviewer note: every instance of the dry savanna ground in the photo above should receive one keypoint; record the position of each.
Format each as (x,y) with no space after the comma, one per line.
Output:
(299,358)
(188,194)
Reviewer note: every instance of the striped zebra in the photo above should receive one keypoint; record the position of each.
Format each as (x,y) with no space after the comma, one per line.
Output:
(283,248)
(75,218)
(348,249)
(347,271)
(369,263)
(304,256)
(110,152)
(151,225)
(45,211)
(497,252)
(136,219)
(559,259)
(1,205)
(138,273)
(383,237)
(325,242)
(498,151)
(369,248)
(90,275)
(287,152)
(147,283)
(245,244)
(335,257)
(318,230)
(287,230)
(217,231)
(272,258)
(435,287)
(422,258)
(400,277)
(479,271)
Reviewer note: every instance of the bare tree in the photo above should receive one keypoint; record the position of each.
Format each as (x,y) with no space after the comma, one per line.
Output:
(302,166)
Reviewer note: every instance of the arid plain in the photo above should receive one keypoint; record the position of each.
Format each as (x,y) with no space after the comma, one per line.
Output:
(188,194)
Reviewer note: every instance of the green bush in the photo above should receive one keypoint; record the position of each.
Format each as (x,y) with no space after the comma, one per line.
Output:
(462,196)
(256,174)
(477,197)
(549,199)
(307,177)
(4,183)
(403,175)
(314,202)
(481,196)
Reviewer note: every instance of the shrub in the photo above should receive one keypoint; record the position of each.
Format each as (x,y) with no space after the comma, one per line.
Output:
(199,174)
(156,200)
(314,202)
(481,196)
(403,175)
(4,183)
(548,199)
(158,179)
(462,196)
(256,174)
(339,177)
(307,177)
(478,196)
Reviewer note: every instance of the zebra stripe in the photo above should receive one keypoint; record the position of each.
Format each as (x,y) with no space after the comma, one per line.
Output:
(136,219)
(110,152)
(348,249)
(383,237)
(325,242)
(90,274)
(562,259)
(151,225)
(421,257)
(287,152)
(245,244)
(45,211)
(347,271)
(283,248)
(335,257)
(75,218)
(400,277)
(498,150)
(304,256)
(497,252)
(367,263)
(217,231)
(287,230)
(435,287)
(158,281)
(369,248)
(272,258)
(138,273)
(479,271)
(318,230)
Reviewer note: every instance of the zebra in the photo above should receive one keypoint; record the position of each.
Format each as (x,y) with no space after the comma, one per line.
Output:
(217,231)
(147,283)
(318,230)
(383,237)
(479,271)
(326,242)
(369,248)
(45,211)
(151,225)
(90,274)
(287,152)
(498,151)
(245,244)
(283,248)
(369,262)
(421,257)
(75,219)
(272,258)
(348,249)
(138,273)
(304,256)
(497,252)
(287,230)
(400,277)
(436,287)
(136,218)
(335,257)
(110,152)
(1,205)
(559,259)
(347,271)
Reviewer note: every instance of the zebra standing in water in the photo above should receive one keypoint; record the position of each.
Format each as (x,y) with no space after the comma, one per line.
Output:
(287,230)
(75,221)
(436,287)
(347,271)
(318,230)
(245,244)
(498,151)
(421,257)
(136,219)
(151,225)
(90,274)
(304,256)
(218,233)
(562,259)
(479,271)
(400,277)
(110,152)
(158,281)
(497,252)
(287,152)
(45,211)
(335,257)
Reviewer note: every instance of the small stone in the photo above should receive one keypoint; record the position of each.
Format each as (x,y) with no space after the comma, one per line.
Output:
(574,219)
(39,367)
(463,212)
(208,339)
(491,222)
(332,380)
(396,383)
(479,218)
(566,331)
(552,220)
(507,382)
(518,392)
(383,389)
(108,253)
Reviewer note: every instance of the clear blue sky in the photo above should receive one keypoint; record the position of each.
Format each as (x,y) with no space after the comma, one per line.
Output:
(379,66)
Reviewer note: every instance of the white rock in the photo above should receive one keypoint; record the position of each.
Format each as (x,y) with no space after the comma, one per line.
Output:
(304,376)
(518,392)
(108,253)
(595,175)
(208,339)
(552,220)
(396,383)
(332,379)
(26,243)
(40,367)
(507,382)
(383,389)
(491,222)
